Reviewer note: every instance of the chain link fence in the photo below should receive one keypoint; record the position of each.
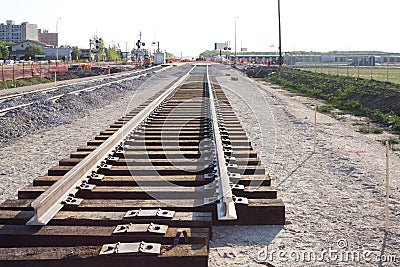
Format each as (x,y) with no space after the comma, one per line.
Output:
(382,68)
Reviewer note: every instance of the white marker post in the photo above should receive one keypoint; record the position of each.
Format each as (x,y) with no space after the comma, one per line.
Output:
(387,188)
(315,129)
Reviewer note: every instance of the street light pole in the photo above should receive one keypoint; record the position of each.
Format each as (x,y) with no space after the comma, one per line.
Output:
(126,51)
(280,37)
(55,73)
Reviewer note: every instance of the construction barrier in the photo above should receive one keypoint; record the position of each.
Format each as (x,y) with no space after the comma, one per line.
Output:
(27,70)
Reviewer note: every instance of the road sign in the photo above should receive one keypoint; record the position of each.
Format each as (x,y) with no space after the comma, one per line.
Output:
(218,46)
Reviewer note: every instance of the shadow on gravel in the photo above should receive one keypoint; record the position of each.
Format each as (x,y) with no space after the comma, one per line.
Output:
(294,170)
(245,235)
(385,238)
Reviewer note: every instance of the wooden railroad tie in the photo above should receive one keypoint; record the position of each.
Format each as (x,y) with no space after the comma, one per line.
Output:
(153,201)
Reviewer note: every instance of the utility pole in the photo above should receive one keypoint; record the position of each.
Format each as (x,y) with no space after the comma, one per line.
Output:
(387,69)
(158,45)
(235,36)
(139,44)
(126,50)
(55,73)
(280,37)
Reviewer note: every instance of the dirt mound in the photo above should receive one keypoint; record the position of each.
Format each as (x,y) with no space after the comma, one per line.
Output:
(374,99)
(258,71)
(75,74)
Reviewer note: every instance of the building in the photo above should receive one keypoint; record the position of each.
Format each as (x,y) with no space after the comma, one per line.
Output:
(10,32)
(50,38)
(85,54)
(50,52)
(18,50)
(64,53)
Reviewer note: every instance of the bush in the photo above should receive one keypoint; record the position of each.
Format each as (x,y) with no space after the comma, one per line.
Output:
(23,82)
(391,141)
(367,130)
(374,99)
(325,109)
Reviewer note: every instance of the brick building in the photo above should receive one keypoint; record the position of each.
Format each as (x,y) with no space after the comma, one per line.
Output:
(50,38)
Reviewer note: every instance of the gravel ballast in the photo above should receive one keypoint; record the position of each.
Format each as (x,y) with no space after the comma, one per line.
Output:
(334,199)
(35,139)
(44,112)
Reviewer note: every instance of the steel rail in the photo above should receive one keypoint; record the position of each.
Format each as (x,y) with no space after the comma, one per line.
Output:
(50,202)
(53,88)
(91,88)
(226,209)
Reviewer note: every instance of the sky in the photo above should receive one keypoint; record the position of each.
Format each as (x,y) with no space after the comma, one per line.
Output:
(188,28)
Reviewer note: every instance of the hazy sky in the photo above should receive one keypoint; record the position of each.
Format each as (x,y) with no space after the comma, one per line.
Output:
(190,27)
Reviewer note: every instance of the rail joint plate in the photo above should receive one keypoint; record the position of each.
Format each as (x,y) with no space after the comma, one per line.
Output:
(141,228)
(149,213)
(138,247)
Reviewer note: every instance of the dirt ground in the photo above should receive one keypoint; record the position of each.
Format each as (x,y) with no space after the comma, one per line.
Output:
(335,198)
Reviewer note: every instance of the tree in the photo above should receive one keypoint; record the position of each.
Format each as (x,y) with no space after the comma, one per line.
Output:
(134,53)
(76,53)
(4,52)
(210,53)
(97,45)
(113,52)
(169,55)
(138,54)
(31,51)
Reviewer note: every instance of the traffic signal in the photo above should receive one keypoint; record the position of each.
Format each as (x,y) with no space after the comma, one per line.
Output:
(139,44)
(97,43)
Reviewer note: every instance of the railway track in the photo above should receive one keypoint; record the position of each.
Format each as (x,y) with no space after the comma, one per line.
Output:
(147,190)
(16,101)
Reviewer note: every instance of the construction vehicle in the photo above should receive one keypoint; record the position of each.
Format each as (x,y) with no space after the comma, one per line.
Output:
(147,62)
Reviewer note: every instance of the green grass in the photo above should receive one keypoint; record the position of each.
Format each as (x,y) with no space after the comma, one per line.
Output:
(369,130)
(23,82)
(391,140)
(374,99)
(327,109)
